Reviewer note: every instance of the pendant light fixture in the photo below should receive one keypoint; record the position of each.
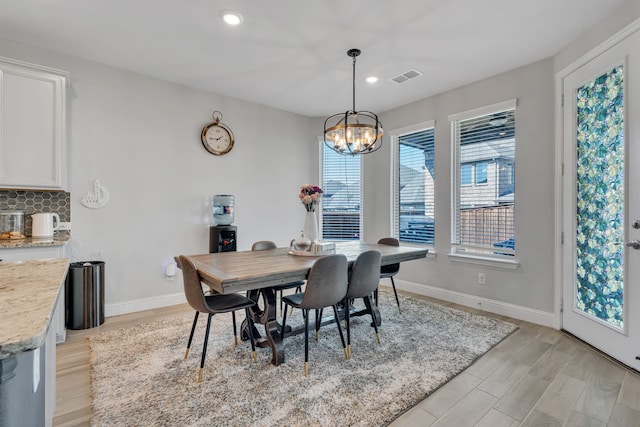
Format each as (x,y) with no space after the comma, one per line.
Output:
(353,132)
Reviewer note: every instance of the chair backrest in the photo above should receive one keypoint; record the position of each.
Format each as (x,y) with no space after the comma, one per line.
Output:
(391,268)
(192,286)
(263,245)
(326,282)
(390,241)
(365,274)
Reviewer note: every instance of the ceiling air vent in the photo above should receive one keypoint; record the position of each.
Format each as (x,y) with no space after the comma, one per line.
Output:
(407,75)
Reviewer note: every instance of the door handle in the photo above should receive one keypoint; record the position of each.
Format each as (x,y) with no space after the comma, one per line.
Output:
(635,244)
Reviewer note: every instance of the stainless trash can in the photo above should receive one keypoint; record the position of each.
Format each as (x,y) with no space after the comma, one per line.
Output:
(85,294)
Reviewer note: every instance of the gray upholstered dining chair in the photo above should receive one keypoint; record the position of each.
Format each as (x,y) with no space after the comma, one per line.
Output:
(363,281)
(212,304)
(268,244)
(326,287)
(388,271)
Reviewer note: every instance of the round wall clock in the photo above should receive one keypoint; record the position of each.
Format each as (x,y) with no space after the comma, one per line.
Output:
(217,138)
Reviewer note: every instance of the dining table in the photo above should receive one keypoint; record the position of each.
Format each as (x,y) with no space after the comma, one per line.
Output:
(256,272)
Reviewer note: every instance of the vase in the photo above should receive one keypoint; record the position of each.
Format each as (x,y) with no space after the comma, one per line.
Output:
(311,226)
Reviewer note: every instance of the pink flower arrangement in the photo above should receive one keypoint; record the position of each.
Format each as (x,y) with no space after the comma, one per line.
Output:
(309,195)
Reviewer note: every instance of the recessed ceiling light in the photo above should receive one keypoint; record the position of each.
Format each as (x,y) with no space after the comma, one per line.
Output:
(371,79)
(231,17)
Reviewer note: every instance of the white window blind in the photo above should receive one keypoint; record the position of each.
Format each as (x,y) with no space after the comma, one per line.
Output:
(413,184)
(483,189)
(341,200)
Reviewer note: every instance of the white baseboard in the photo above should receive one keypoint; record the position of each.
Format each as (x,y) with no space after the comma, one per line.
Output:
(506,309)
(492,306)
(144,304)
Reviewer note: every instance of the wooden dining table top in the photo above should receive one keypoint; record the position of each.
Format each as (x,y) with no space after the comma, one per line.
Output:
(229,272)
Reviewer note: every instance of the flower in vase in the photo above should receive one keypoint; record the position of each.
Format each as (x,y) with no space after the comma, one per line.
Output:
(309,196)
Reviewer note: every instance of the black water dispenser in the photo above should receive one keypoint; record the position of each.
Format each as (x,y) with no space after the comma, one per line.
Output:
(222,238)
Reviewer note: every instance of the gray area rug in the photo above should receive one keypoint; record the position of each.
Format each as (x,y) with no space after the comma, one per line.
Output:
(139,377)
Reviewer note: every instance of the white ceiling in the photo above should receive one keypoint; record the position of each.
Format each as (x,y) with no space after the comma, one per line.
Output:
(291,54)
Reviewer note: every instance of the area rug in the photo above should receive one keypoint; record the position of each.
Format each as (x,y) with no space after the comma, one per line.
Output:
(139,377)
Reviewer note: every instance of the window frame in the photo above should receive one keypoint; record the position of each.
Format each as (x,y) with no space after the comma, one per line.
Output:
(468,254)
(395,178)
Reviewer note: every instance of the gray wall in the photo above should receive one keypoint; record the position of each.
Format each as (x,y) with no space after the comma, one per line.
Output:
(531,285)
(608,27)
(141,138)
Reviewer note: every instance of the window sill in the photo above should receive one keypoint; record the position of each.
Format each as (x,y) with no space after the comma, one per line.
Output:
(432,251)
(509,264)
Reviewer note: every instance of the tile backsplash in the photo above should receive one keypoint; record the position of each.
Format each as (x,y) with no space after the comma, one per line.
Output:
(37,201)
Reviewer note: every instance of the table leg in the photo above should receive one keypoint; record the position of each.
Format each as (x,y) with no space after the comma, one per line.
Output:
(266,315)
(370,308)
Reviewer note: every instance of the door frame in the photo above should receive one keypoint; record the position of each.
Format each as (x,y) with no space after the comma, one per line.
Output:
(559,160)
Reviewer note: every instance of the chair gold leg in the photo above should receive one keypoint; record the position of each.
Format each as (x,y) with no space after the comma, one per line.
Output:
(255,357)
(186,353)
(378,337)
(200,375)
(235,340)
(346,353)
(306,369)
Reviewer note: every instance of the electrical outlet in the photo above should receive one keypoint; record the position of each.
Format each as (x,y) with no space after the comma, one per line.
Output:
(64,226)
(482,279)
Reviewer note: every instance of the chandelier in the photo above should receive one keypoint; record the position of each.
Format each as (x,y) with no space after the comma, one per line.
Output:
(353,132)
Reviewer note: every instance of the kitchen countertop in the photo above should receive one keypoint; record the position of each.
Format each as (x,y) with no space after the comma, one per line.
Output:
(29,291)
(59,239)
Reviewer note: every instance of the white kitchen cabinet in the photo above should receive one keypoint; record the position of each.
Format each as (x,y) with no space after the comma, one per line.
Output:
(32,126)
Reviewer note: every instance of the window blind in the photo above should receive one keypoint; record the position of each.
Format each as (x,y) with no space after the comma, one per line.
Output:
(483,185)
(341,200)
(414,172)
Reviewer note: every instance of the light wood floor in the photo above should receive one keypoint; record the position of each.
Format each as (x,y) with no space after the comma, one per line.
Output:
(537,376)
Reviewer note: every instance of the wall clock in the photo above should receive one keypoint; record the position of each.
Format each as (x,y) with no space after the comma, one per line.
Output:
(217,138)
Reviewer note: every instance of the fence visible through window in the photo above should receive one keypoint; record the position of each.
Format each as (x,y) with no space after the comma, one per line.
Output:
(487,227)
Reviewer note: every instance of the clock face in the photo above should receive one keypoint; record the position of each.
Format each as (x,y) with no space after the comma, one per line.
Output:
(217,139)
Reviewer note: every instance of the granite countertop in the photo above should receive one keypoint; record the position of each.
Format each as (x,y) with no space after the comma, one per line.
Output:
(29,291)
(59,239)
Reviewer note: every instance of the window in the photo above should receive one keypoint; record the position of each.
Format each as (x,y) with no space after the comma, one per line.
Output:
(481,173)
(341,200)
(483,207)
(466,173)
(413,184)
